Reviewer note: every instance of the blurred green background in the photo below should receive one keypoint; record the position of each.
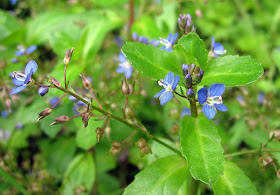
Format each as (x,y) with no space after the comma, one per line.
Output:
(67,158)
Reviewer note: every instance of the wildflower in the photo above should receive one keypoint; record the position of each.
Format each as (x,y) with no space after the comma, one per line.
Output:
(54,100)
(212,99)
(185,111)
(43,91)
(261,98)
(22,51)
(168,42)
(216,49)
(4,113)
(144,40)
(13,2)
(79,107)
(124,66)
(169,83)
(22,80)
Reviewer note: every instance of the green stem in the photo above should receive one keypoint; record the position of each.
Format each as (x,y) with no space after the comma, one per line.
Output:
(251,152)
(132,126)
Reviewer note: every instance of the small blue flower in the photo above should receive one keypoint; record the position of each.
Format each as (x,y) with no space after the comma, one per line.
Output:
(169,83)
(212,99)
(168,42)
(13,2)
(22,80)
(185,111)
(261,98)
(54,100)
(217,48)
(29,50)
(124,66)
(43,91)
(77,106)
(4,113)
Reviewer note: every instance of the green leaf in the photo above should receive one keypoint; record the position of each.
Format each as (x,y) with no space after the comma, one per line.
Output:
(80,172)
(8,24)
(201,145)
(164,176)
(234,182)
(192,43)
(12,181)
(232,71)
(156,63)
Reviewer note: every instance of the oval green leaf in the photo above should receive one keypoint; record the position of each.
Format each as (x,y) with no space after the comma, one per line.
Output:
(164,176)
(193,44)
(201,145)
(234,182)
(232,71)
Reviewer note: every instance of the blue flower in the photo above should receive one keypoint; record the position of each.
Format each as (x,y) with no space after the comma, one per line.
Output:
(22,51)
(217,48)
(212,99)
(169,83)
(261,98)
(185,111)
(4,113)
(124,66)
(168,42)
(22,80)
(79,104)
(13,2)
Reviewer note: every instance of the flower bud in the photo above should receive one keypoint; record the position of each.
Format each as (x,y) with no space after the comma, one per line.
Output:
(275,134)
(99,133)
(141,143)
(55,82)
(190,94)
(196,69)
(59,120)
(115,149)
(43,91)
(68,55)
(129,113)
(125,88)
(187,80)
(116,144)
(278,173)
(266,159)
(44,113)
(185,68)
(86,82)
(134,36)
(85,119)
(145,150)
(131,87)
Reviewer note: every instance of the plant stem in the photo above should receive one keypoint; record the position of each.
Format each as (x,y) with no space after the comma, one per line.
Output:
(193,108)
(132,126)
(251,152)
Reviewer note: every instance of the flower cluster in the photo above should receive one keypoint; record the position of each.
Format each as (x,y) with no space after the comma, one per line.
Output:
(211,99)
(192,75)
(168,42)
(185,23)
(169,83)
(22,80)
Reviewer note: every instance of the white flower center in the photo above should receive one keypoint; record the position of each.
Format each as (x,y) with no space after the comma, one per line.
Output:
(19,76)
(165,42)
(214,100)
(125,65)
(167,86)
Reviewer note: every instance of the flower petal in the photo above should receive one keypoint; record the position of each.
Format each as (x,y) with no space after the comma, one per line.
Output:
(19,53)
(18,82)
(209,111)
(128,72)
(31,65)
(169,37)
(216,89)
(185,112)
(169,77)
(221,107)
(120,69)
(18,89)
(218,48)
(174,38)
(28,77)
(176,81)
(159,93)
(31,49)
(202,95)
(169,49)
(212,43)
(166,97)
(122,58)
(163,47)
